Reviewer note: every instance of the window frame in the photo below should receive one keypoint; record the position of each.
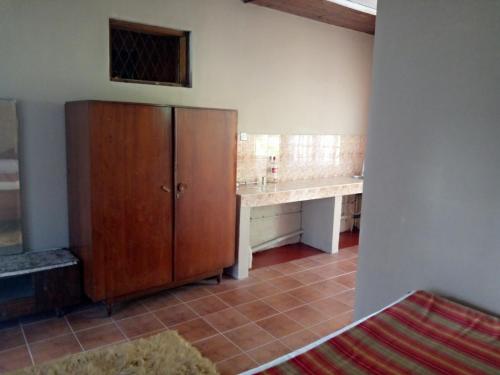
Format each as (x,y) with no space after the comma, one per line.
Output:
(184,51)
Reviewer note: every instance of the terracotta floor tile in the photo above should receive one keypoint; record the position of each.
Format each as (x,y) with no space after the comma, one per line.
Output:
(171,316)
(256,310)
(89,318)
(286,283)
(299,339)
(237,296)
(331,306)
(307,316)
(160,301)
(306,263)
(265,273)
(348,297)
(280,325)
(190,292)
(283,254)
(268,352)
(332,325)
(139,325)
(249,336)
(149,334)
(232,284)
(128,310)
(330,287)
(217,348)
(14,359)
(37,318)
(347,254)
(236,365)
(330,270)
(195,330)
(287,268)
(226,319)
(11,338)
(208,305)
(343,254)
(325,258)
(349,239)
(56,347)
(347,265)
(351,249)
(263,289)
(349,315)
(100,336)
(349,280)
(46,329)
(308,277)
(283,302)
(309,293)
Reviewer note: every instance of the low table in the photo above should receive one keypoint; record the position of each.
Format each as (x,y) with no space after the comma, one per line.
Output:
(38,281)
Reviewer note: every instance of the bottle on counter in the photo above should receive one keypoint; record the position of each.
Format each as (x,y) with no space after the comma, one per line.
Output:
(274,170)
(269,169)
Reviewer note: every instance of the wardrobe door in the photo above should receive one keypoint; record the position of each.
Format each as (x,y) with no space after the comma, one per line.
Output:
(132,199)
(205,204)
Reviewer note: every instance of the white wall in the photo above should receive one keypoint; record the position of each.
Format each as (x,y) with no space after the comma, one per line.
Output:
(431,210)
(283,73)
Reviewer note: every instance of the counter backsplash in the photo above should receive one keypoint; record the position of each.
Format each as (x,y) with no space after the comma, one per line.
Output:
(300,156)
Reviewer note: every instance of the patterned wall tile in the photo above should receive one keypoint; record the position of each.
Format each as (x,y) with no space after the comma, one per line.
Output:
(300,157)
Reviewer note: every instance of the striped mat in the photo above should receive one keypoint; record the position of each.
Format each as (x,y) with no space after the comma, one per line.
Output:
(423,334)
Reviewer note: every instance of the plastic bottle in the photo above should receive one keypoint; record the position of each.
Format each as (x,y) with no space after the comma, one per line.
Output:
(274,170)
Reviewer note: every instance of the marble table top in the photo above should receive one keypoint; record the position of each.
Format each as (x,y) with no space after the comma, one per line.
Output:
(295,191)
(35,261)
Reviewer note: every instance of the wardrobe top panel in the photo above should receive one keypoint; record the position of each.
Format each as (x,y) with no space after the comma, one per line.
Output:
(150,104)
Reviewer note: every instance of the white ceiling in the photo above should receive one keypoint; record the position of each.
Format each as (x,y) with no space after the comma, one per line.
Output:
(367,6)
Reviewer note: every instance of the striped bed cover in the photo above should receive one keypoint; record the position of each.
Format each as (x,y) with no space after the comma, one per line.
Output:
(423,334)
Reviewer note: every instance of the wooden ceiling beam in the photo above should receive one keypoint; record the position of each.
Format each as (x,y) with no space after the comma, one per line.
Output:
(323,11)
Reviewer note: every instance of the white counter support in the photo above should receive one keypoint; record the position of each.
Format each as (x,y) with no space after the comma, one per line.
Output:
(243,248)
(321,223)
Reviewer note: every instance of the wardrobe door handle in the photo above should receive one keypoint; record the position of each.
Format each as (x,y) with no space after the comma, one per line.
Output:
(165,188)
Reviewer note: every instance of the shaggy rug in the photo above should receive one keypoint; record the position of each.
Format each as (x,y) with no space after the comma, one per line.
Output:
(165,353)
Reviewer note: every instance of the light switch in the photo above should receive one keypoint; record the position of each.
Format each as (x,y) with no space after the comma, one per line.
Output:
(243,137)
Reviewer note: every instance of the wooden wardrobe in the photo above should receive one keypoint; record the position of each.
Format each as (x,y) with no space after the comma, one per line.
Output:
(152,195)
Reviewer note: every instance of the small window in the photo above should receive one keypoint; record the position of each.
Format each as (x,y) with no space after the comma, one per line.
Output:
(148,54)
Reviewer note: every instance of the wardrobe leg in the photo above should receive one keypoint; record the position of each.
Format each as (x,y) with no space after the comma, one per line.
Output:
(109,307)
(219,277)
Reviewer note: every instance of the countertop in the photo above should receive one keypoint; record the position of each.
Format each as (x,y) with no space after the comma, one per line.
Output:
(35,261)
(300,190)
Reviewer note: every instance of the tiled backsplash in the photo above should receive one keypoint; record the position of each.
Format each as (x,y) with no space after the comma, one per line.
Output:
(300,156)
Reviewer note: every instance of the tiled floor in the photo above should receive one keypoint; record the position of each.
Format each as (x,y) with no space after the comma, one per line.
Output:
(297,251)
(283,254)
(349,239)
(239,324)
